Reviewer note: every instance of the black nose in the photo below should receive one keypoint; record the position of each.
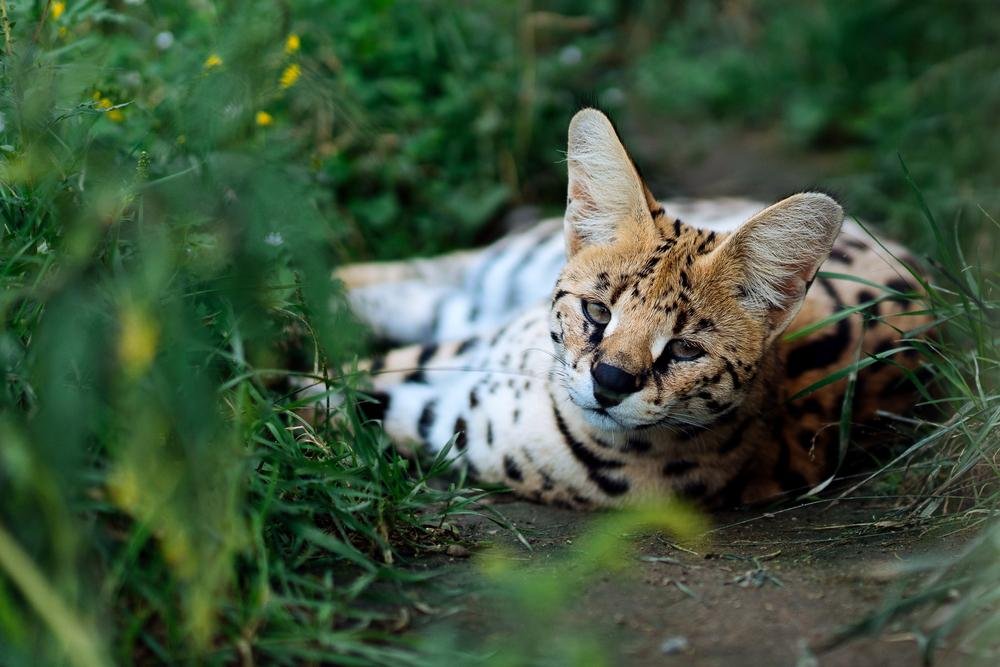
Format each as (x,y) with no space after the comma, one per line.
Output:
(612,385)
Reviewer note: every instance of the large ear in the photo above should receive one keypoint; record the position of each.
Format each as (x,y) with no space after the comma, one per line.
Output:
(772,258)
(606,193)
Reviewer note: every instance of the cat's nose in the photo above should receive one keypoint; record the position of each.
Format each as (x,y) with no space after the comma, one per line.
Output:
(612,385)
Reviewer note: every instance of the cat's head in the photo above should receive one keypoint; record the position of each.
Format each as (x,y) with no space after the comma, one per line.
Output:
(656,323)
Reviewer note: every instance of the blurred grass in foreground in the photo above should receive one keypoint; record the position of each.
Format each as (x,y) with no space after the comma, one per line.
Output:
(160,239)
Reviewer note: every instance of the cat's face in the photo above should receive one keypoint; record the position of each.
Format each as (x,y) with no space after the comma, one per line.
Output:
(656,323)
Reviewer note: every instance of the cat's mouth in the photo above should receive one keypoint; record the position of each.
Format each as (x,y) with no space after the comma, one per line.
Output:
(601,418)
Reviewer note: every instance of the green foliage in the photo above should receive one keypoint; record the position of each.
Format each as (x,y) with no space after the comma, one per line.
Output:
(425,122)
(160,239)
(956,597)
(876,78)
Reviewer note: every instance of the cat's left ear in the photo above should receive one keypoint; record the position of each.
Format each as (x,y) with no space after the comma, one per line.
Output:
(771,260)
(606,195)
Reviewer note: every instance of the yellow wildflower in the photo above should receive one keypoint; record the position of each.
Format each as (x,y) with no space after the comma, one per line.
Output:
(137,341)
(115,115)
(290,75)
(213,60)
(263,118)
(293,43)
(57,10)
(96,96)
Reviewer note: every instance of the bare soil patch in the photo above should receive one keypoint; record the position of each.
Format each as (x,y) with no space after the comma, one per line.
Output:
(767,589)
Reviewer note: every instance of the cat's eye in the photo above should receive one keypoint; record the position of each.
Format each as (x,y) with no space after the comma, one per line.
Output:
(684,350)
(596,312)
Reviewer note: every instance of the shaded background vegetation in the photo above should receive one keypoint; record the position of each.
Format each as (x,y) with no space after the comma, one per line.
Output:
(178,178)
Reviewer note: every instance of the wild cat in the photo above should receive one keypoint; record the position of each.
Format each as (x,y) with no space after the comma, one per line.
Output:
(635,349)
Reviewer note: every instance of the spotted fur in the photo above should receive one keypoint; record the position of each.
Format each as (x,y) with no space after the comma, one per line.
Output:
(676,379)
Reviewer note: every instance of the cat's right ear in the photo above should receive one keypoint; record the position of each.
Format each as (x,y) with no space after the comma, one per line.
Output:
(606,194)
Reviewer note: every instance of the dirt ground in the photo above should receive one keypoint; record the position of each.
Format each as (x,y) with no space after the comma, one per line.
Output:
(817,570)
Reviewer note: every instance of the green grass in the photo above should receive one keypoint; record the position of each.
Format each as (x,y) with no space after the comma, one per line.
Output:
(178,180)
(952,599)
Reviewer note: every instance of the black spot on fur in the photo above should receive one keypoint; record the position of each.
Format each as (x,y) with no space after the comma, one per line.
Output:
(594,339)
(805,439)
(680,322)
(512,470)
(678,467)
(489,434)
(649,266)
(899,285)
(617,292)
(461,434)
(666,245)
(823,350)
(718,407)
(375,410)
(884,346)
(734,440)
(473,399)
(872,313)
(423,357)
(498,335)
(426,352)
(841,256)
(707,244)
(737,383)
(426,421)
(416,376)
(637,446)
(466,345)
